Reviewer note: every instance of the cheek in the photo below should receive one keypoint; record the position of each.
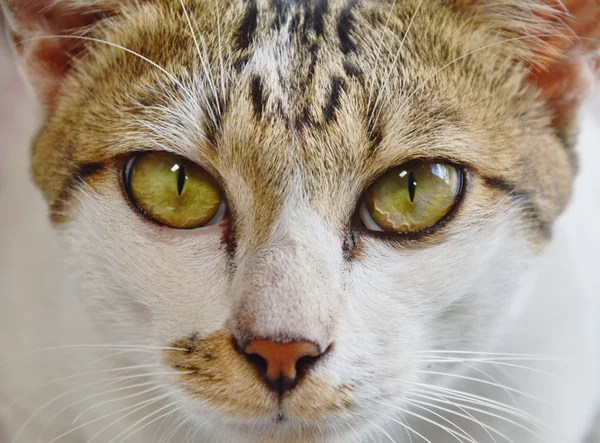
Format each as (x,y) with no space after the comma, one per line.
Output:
(157,278)
(462,291)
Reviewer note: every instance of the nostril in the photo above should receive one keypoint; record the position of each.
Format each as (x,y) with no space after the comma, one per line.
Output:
(304,364)
(281,365)
(258,362)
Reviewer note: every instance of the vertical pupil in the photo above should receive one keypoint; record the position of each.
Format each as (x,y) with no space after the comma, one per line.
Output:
(180,179)
(412,186)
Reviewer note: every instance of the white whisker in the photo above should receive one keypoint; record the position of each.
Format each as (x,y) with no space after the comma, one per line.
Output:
(112,400)
(205,65)
(485,382)
(421,85)
(139,406)
(37,411)
(494,380)
(177,424)
(407,427)
(91,39)
(492,354)
(393,65)
(377,57)
(172,411)
(469,417)
(491,414)
(456,435)
(219,38)
(107,384)
(491,404)
(108,347)
(495,362)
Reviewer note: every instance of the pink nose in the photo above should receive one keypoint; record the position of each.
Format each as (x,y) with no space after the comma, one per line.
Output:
(281,364)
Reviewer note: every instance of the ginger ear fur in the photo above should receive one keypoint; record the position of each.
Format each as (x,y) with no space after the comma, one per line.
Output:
(561,39)
(44,35)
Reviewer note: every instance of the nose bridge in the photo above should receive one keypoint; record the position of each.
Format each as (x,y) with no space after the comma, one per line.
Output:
(287,290)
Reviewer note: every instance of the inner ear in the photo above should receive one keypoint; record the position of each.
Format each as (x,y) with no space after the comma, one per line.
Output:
(561,42)
(567,70)
(44,35)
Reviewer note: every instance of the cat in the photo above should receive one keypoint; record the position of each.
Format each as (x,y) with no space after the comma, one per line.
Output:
(319,220)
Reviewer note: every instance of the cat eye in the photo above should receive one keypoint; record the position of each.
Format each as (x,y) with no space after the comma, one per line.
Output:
(174,191)
(412,197)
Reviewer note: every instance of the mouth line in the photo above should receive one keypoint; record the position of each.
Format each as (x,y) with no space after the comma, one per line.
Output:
(280,417)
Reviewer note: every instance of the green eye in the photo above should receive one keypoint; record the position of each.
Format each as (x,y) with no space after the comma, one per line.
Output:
(174,191)
(412,197)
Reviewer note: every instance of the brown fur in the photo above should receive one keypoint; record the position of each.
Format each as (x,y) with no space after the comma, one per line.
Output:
(478,111)
(224,379)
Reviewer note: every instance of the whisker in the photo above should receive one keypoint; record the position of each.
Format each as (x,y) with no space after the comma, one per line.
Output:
(96,40)
(37,411)
(476,399)
(166,430)
(491,45)
(218,10)
(112,400)
(383,431)
(141,420)
(494,380)
(137,406)
(107,384)
(493,354)
(188,434)
(172,411)
(461,430)
(108,357)
(474,419)
(485,382)
(377,57)
(408,434)
(393,65)
(457,435)
(205,65)
(172,429)
(407,427)
(491,414)
(495,362)
(193,437)
(469,417)
(108,347)
(359,439)
(489,403)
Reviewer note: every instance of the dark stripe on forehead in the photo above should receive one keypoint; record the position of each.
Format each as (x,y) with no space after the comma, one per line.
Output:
(344,28)
(314,16)
(257,94)
(318,16)
(532,213)
(337,87)
(352,70)
(245,32)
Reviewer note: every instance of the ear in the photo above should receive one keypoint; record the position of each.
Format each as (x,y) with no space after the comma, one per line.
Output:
(567,67)
(39,31)
(559,40)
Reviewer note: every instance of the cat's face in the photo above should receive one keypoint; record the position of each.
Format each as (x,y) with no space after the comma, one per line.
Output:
(290,314)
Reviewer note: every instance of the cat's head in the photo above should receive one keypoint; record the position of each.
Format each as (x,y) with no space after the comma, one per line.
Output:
(303,198)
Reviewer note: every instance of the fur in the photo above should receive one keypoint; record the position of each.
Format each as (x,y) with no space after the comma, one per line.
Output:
(296,107)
